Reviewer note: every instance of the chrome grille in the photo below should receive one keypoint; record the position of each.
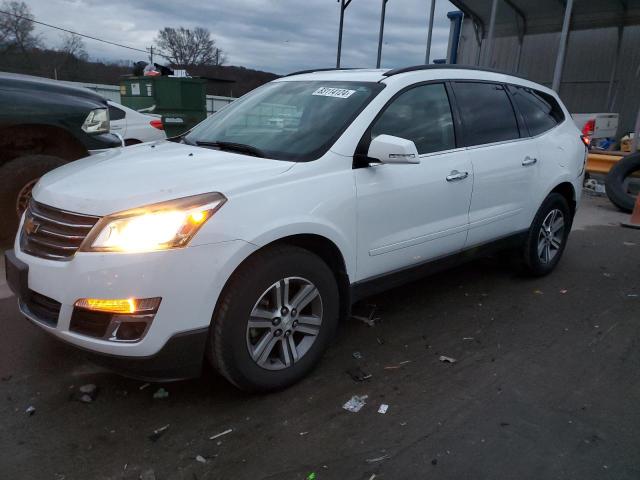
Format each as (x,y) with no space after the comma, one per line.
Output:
(51,233)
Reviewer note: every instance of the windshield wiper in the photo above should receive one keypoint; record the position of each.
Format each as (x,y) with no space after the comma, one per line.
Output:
(234,147)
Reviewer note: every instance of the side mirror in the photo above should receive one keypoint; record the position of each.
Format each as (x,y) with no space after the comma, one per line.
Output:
(390,149)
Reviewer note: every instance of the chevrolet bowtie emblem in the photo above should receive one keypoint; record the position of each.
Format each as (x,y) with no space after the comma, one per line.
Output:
(31,226)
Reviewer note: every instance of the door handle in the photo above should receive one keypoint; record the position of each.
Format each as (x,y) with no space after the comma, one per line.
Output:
(456,176)
(529,161)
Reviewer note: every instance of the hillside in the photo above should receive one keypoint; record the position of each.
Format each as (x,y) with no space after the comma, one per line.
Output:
(54,64)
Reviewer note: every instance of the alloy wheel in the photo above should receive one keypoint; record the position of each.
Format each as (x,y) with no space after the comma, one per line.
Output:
(551,236)
(284,323)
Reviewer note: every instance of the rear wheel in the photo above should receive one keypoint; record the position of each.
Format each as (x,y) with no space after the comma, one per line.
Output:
(274,320)
(17,179)
(547,237)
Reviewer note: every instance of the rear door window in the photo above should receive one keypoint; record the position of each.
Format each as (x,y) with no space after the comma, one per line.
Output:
(422,115)
(541,112)
(487,113)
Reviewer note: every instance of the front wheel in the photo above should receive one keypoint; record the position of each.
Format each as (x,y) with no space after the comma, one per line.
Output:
(274,320)
(547,236)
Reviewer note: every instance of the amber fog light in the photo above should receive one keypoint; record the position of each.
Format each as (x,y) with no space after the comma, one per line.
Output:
(120,305)
(114,320)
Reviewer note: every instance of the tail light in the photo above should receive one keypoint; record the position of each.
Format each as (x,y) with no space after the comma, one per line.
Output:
(157,124)
(587,131)
(586,140)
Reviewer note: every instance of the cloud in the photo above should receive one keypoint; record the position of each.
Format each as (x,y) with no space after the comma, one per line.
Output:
(273,35)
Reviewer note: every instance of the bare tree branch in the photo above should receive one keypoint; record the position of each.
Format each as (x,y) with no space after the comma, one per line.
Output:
(16,29)
(185,47)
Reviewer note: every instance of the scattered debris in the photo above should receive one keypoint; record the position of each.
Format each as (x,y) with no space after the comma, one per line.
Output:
(142,387)
(87,393)
(355,403)
(394,367)
(378,459)
(357,355)
(370,320)
(434,461)
(383,408)
(302,434)
(218,435)
(201,459)
(6,378)
(157,433)
(358,375)
(538,292)
(632,295)
(160,394)
(446,359)
(312,476)
(380,341)
(373,475)
(606,274)
(504,424)
(89,389)
(563,291)
(467,338)
(30,410)
(148,475)
(629,244)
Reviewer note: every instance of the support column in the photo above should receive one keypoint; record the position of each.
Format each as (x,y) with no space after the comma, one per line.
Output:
(490,36)
(614,71)
(343,7)
(636,134)
(562,49)
(381,34)
(427,56)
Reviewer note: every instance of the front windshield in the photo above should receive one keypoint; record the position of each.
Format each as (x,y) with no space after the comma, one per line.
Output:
(289,120)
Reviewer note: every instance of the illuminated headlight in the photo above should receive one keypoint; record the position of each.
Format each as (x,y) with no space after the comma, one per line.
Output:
(155,227)
(97,121)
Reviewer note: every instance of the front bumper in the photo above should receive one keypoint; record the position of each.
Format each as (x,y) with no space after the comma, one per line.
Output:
(189,281)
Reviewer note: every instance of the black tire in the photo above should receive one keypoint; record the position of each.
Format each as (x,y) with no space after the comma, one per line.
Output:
(14,175)
(614,182)
(228,349)
(532,264)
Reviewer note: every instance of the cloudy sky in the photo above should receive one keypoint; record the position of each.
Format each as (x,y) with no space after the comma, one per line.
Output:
(273,35)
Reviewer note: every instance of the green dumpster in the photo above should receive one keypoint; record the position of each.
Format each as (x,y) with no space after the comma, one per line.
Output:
(180,100)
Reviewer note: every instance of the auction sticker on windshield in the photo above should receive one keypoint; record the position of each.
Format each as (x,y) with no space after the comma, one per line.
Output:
(334,92)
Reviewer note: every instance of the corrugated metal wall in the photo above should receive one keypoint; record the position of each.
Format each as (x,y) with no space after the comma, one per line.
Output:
(587,70)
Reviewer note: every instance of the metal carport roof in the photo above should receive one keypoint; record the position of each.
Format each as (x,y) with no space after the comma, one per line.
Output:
(544,16)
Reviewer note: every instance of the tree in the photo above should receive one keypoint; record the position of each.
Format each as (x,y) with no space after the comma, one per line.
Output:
(73,46)
(184,47)
(16,27)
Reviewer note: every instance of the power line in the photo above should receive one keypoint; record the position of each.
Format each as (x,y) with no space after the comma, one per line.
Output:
(162,54)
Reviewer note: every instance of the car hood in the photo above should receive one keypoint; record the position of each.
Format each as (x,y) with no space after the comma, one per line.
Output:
(131,177)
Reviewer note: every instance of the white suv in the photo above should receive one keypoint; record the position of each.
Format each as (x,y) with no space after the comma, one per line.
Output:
(245,241)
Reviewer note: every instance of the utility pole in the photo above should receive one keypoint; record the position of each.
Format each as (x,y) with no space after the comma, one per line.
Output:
(343,6)
(151,54)
(382,14)
(430,32)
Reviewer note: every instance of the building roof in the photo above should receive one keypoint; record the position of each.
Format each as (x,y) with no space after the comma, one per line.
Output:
(544,16)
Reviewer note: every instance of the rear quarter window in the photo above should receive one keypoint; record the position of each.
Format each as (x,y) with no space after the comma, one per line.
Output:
(541,111)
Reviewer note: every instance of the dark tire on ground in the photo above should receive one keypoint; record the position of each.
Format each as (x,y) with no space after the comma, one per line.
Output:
(532,264)
(14,175)
(614,182)
(227,348)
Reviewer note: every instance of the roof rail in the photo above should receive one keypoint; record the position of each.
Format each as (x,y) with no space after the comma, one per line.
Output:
(455,66)
(313,70)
